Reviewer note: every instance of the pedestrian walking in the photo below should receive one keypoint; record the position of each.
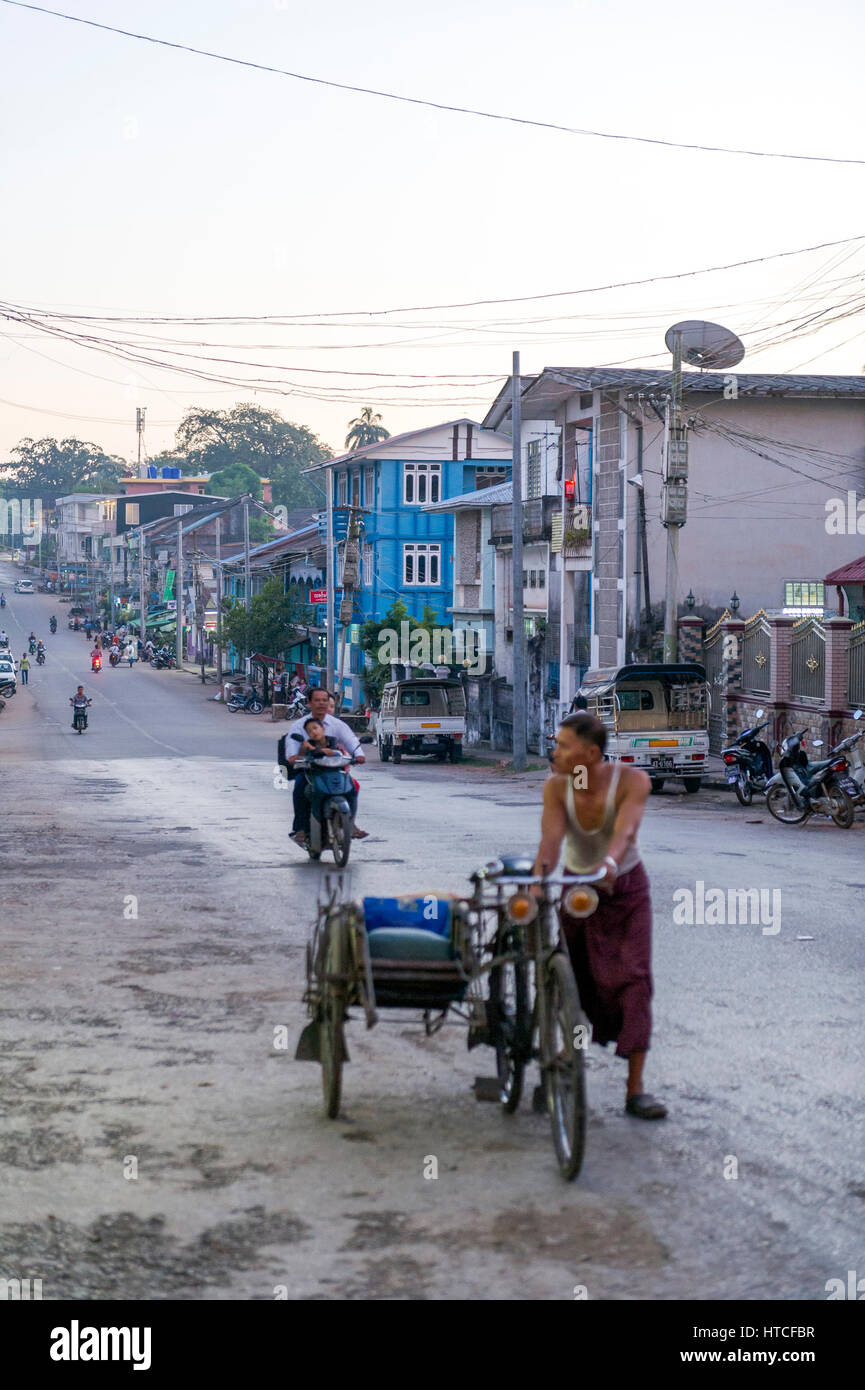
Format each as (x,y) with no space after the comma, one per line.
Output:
(129,653)
(24,668)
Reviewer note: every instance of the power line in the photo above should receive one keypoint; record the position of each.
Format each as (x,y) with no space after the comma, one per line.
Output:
(293,319)
(435,105)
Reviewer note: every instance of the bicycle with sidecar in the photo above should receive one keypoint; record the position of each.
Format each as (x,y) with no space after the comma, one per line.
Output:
(493,958)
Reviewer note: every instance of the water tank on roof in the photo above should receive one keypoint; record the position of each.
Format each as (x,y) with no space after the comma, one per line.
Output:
(171,472)
(152,471)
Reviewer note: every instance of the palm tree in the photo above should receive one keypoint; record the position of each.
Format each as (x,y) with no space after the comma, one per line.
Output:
(366,429)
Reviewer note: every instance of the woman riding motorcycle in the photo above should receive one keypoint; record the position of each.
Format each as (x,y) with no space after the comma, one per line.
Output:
(53,623)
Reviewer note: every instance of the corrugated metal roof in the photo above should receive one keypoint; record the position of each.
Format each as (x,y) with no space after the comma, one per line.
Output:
(493,496)
(854,573)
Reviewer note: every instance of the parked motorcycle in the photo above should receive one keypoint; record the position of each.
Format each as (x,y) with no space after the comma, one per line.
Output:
(748,762)
(801,789)
(163,661)
(249,702)
(333,830)
(854,784)
(297,708)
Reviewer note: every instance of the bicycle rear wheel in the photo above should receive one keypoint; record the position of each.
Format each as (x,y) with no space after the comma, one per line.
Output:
(334,993)
(563,1063)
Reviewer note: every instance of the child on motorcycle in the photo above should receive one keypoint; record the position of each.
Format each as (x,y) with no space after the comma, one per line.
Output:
(318,744)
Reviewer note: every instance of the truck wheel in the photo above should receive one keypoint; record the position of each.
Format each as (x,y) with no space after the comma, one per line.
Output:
(657,784)
(397,754)
(383,750)
(692,784)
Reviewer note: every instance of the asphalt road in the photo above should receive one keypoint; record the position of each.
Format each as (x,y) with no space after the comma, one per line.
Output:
(157,1140)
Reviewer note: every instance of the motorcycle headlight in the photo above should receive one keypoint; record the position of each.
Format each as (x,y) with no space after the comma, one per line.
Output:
(580,901)
(522,908)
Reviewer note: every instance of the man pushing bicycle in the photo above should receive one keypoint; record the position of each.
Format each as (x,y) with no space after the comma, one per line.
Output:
(595,808)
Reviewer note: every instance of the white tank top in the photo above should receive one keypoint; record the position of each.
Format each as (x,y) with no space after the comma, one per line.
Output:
(586,850)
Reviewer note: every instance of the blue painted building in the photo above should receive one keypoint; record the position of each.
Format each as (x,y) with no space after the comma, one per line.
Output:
(407,552)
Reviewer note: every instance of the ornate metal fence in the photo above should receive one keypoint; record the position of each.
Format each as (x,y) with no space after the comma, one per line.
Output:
(856,684)
(808,660)
(756,655)
(713,660)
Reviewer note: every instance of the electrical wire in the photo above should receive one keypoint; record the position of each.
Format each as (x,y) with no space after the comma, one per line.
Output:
(435,105)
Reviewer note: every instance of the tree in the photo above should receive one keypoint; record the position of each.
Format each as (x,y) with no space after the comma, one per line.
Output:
(234,480)
(274,621)
(47,468)
(366,429)
(212,440)
(373,639)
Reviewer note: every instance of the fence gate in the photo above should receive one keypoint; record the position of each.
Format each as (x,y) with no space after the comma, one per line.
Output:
(808,660)
(756,656)
(713,660)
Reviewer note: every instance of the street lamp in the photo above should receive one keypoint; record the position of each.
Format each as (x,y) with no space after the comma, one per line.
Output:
(690,601)
(734,602)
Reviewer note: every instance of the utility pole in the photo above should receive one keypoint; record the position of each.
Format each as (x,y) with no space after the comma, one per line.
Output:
(139,427)
(350,578)
(330,580)
(519,643)
(142,616)
(675,495)
(246,578)
(178,597)
(218,577)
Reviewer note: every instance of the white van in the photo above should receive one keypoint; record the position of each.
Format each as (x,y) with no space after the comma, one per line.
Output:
(422,716)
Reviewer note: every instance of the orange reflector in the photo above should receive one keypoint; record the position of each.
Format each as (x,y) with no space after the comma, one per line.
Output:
(522,908)
(663,743)
(580,901)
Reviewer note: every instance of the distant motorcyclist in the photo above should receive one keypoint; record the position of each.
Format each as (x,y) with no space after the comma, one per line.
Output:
(96,659)
(79,701)
(53,623)
(2,600)
(4,640)
(32,642)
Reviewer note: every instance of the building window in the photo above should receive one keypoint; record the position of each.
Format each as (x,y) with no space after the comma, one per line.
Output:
(367,566)
(355,489)
(180,509)
(421,483)
(803,596)
(586,400)
(489,474)
(132,513)
(421,564)
(342,490)
(542,579)
(533,468)
(369,487)
(533,579)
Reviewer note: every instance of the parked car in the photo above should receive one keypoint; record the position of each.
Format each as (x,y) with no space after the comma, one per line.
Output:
(24,586)
(422,716)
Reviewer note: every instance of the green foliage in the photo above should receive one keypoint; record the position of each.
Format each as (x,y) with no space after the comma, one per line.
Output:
(234,480)
(271,624)
(212,440)
(261,529)
(51,468)
(377,675)
(365,429)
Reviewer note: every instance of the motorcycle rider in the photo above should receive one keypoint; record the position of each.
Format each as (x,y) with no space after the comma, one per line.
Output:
(318,703)
(95,659)
(79,701)
(317,744)
(32,642)
(4,640)
(2,600)
(53,623)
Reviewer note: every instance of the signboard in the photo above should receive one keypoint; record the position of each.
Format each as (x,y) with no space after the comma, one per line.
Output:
(168,591)
(318,595)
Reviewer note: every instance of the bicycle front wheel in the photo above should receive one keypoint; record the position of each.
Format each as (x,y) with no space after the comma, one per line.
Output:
(510,1020)
(563,1063)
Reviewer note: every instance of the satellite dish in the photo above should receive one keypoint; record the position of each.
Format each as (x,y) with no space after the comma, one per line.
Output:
(705,344)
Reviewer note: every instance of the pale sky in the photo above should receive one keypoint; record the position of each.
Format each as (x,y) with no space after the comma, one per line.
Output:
(138,180)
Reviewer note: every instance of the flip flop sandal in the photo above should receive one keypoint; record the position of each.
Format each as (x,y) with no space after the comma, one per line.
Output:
(645,1107)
